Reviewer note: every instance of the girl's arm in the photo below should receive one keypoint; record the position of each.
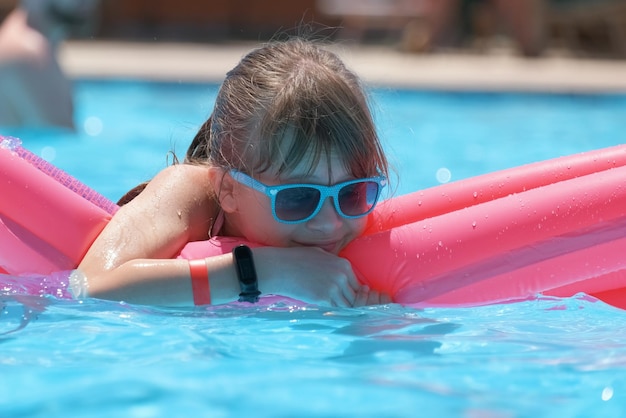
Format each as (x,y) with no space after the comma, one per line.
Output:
(304,273)
(137,245)
(165,282)
(132,259)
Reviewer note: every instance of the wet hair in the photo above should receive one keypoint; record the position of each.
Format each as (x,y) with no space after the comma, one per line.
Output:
(286,103)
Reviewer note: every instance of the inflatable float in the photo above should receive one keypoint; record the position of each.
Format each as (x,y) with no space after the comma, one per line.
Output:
(556,227)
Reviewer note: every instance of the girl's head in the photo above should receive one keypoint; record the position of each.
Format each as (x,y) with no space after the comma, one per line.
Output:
(289,112)
(288,103)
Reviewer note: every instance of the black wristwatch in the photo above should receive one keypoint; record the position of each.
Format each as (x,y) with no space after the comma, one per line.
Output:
(244,264)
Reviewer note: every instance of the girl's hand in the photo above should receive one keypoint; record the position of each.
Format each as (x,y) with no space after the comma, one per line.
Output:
(312,275)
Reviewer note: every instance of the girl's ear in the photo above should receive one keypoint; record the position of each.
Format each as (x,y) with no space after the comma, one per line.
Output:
(224,187)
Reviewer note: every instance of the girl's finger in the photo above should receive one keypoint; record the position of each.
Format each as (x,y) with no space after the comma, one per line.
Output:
(377,298)
(385,298)
(362,296)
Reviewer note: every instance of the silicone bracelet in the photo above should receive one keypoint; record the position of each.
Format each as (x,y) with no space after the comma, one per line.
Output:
(200,282)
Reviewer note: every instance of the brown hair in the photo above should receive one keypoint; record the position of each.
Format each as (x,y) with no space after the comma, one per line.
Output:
(286,102)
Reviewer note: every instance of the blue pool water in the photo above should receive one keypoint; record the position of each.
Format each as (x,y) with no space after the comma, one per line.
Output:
(546,357)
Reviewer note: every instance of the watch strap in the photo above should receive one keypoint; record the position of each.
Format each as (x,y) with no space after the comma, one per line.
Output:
(246,273)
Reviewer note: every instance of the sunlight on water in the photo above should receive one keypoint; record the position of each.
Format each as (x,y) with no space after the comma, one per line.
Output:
(542,357)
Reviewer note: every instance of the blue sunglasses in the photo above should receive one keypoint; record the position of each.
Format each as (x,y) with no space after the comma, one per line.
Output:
(296,203)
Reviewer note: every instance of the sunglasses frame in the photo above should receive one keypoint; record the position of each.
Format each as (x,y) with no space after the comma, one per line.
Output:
(325,193)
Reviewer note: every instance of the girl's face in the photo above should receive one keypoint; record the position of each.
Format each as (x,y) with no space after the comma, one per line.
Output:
(251,213)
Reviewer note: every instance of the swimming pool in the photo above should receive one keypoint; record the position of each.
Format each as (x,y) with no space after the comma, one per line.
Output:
(544,357)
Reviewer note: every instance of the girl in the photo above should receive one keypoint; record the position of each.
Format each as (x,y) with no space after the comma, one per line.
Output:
(290,128)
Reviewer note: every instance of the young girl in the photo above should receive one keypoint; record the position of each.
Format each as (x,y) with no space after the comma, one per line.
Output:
(289,159)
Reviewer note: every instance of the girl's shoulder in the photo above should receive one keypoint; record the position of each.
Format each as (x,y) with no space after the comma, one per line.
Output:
(181,184)
(179,197)
(182,174)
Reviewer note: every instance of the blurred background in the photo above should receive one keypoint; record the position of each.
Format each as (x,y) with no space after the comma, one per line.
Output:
(590,28)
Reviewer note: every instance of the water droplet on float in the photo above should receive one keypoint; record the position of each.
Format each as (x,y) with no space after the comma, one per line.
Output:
(475,195)
(474,224)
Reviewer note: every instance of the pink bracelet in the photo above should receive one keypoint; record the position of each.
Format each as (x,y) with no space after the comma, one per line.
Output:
(200,282)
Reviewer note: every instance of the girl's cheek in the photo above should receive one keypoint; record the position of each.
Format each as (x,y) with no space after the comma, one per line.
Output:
(359,225)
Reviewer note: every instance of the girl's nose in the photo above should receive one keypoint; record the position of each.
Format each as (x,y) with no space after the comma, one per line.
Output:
(327,219)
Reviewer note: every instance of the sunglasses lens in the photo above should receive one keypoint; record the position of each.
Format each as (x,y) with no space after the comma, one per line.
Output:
(358,198)
(296,203)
